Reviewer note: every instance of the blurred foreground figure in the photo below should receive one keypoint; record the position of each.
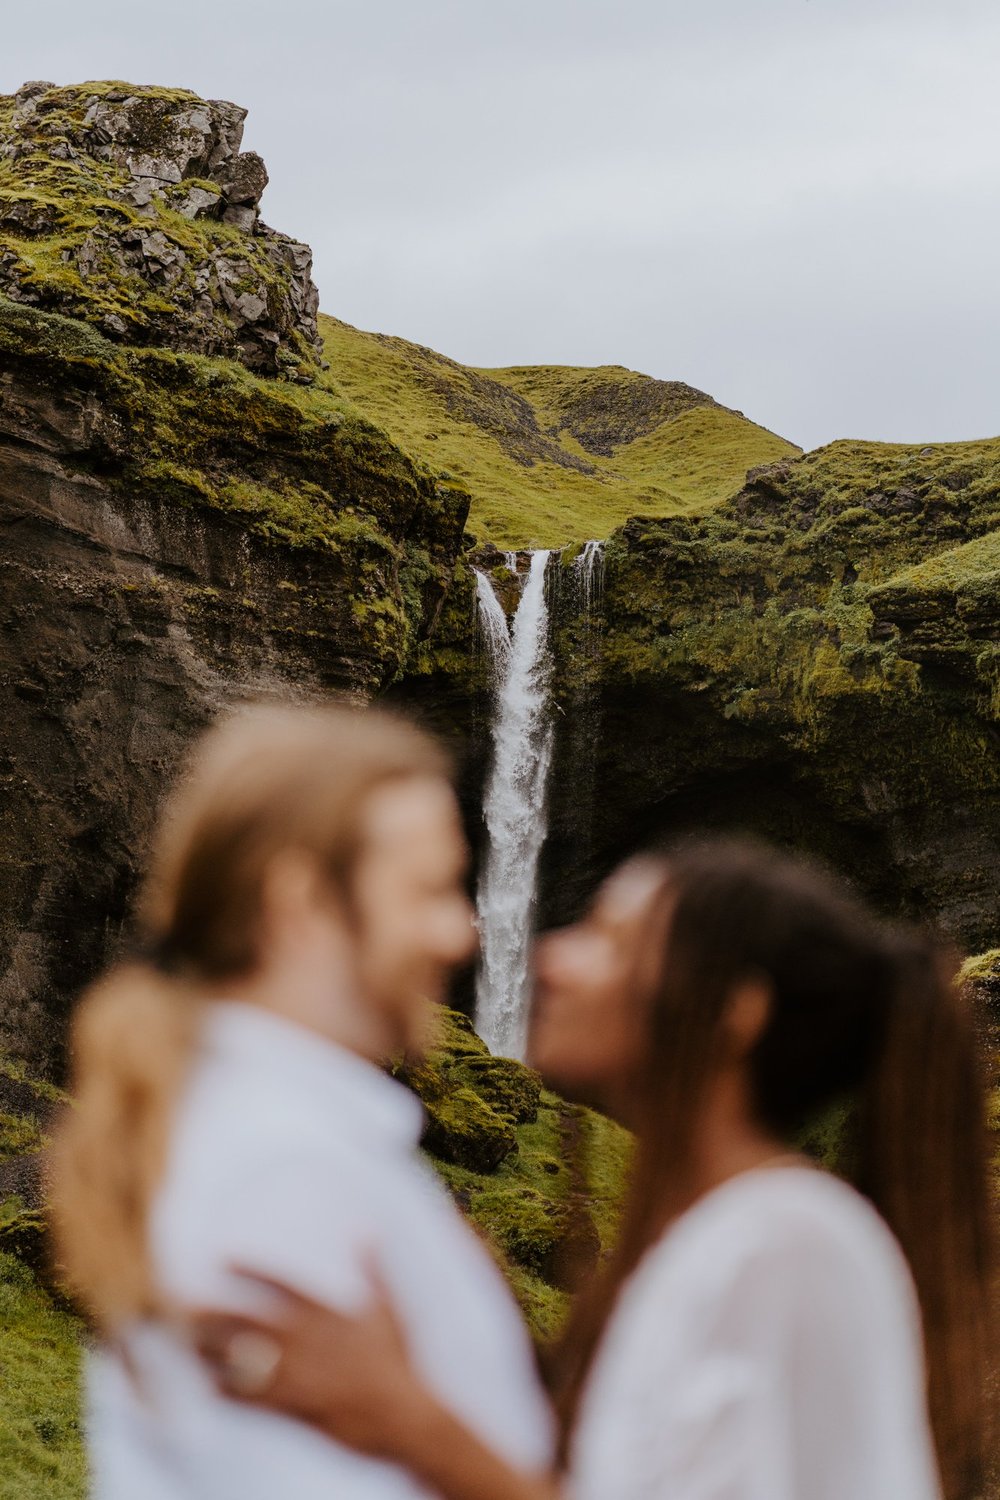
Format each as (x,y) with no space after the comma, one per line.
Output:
(761,1331)
(304,906)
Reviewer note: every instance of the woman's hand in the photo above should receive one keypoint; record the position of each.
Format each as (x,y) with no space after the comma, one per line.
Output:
(348,1374)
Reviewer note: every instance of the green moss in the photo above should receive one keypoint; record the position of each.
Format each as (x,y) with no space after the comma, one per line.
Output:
(545,1307)
(18,1134)
(981,968)
(550,1202)
(605,1158)
(509,1088)
(525,1225)
(463,1130)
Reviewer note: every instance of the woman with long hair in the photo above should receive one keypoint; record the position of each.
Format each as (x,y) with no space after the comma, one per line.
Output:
(304,905)
(766,1330)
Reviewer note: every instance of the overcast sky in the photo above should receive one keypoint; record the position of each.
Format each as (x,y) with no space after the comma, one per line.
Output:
(792,204)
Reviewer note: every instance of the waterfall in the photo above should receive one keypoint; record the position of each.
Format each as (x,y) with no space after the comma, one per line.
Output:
(590,568)
(514,806)
(583,733)
(493,627)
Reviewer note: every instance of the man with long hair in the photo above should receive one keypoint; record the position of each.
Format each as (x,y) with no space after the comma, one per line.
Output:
(304,906)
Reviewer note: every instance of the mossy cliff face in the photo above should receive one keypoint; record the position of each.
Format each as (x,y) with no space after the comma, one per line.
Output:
(816,660)
(134,209)
(179,534)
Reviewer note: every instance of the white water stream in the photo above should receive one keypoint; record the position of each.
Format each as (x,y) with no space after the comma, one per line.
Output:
(515,804)
(589,566)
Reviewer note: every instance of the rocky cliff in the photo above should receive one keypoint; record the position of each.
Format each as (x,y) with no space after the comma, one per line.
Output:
(135,210)
(180,528)
(196,509)
(816,660)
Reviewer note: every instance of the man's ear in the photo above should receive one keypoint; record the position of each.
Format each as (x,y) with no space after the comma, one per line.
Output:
(747,1015)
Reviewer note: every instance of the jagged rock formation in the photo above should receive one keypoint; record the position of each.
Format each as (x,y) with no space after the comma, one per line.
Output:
(134,209)
(176,536)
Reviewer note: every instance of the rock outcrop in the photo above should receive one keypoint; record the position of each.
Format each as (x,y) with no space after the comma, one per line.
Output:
(135,209)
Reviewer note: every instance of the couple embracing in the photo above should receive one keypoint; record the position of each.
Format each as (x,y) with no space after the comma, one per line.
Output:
(287,1303)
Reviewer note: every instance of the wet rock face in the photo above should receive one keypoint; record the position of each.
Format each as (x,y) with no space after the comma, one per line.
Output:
(136,209)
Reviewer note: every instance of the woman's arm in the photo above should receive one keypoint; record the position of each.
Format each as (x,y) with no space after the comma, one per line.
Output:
(350,1376)
(449,1459)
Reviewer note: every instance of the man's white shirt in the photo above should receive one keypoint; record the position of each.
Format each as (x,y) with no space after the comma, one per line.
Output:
(297,1159)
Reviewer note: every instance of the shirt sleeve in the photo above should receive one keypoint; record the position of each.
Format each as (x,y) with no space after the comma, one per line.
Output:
(799,1386)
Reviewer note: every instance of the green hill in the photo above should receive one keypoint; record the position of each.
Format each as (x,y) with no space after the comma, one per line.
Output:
(551,455)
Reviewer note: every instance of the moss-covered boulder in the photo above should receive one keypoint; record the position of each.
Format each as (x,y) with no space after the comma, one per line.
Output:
(464,1130)
(541,1179)
(472,1100)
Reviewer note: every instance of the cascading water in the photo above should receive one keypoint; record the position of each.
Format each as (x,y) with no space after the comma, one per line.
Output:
(583,733)
(589,567)
(514,806)
(493,626)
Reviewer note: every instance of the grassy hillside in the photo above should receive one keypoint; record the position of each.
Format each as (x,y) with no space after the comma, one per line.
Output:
(552,455)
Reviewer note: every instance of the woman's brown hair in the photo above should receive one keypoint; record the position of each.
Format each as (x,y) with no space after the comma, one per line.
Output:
(859,1012)
(263,781)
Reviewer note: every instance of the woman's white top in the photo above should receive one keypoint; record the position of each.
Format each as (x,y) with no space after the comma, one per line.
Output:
(768,1347)
(297,1159)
